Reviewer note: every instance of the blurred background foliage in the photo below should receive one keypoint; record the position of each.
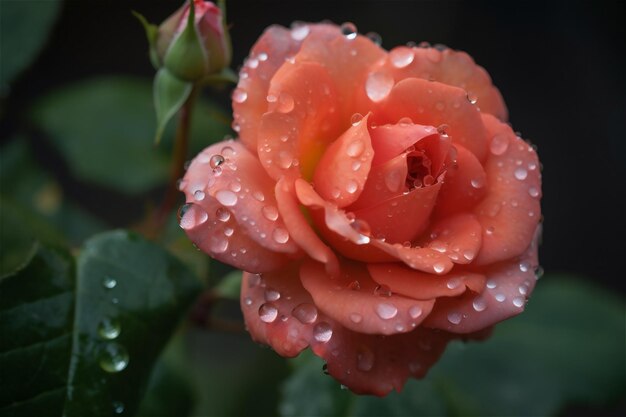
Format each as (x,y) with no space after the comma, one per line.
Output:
(95,320)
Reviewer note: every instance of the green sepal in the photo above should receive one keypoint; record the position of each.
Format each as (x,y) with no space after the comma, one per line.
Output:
(152,31)
(187,58)
(170,93)
(223,77)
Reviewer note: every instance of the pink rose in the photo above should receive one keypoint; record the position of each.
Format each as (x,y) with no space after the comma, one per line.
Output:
(378,201)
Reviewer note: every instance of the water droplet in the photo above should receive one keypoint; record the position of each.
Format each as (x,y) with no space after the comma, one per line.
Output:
(500,297)
(349,30)
(401,57)
(226,198)
(218,244)
(193,216)
(356,318)
(439,267)
(375,37)
(478,182)
(378,85)
(364,359)
(499,144)
(521,173)
(539,272)
(491,284)
(386,311)
(305,313)
(479,304)
(453,283)
(533,192)
(216,161)
(415,312)
(382,291)
(270,213)
(271,294)
(356,119)
(355,148)
(352,186)
(222,214)
(322,332)
(113,358)
(115,300)
(285,103)
(299,31)
(280,235)
(285,160)
(268,313)
(258,195)
(109,283)
(263,56)
(118,407)
(524,266)
(354,285)
(469,254)
(454,318)
(518,301)
(109,328)
(239,95)
(471,98)
(198,195)
(247,301)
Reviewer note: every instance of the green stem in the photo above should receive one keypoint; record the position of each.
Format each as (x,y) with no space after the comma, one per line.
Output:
(179,157)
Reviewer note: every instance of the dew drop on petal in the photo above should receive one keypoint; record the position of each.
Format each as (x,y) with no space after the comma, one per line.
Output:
(478,182)
(299,31)
(454,318)
(499,144)
(226,198)
(356,119)
(270,213)
(285,103)
(378,85)
(198,195)
(305,313)
(520,173)
(271,294)
(239,95)
(479,304)
(386,311)
(415,311)
(222,214)
(352,186)
(349,30)
(375,38)
(439,267)
(280,235)
(491,284)
(453,283)
(356,318)
(355,148)
(268,313)
(533,192)
(216,161)
(322,332)
(247,301)
(193,216)
(382,290)
(518,301)
(500,297)
(401,56)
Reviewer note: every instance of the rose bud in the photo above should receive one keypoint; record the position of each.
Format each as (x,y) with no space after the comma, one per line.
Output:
(377,201)
(191,51)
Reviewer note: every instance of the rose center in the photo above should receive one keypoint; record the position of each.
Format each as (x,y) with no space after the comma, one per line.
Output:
(418,170)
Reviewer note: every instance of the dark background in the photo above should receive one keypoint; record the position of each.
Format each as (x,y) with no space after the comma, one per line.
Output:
(559,65)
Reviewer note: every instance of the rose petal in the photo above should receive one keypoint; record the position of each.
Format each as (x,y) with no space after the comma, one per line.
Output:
(384,181)
(458,236)
(423,286)
(413,208)
(267,55)
(390,141)
(353,301)
(510,212)
(240,185)
(508,286)
(435,104)
(278,311)
(372,364)
(341,173)
(350,240)
(464,185)
(300,230)
(449,67)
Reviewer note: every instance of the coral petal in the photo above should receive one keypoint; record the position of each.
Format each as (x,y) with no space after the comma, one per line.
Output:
(353,301)
(300,230)
(390,141)
(510,211)
(348,159)
(458,236)
(435,104)
(424,286)
(464,185)
(508,286)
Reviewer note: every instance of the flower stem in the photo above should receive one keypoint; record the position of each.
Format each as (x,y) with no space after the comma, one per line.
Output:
(179,157)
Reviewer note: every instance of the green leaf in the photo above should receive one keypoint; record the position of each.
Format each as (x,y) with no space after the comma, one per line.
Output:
(24,29)
(102,128)
(84,336)
(229,286)
(567,348)
(170,94)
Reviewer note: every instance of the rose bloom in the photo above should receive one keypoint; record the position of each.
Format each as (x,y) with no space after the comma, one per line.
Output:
(378,202)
